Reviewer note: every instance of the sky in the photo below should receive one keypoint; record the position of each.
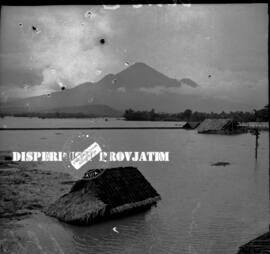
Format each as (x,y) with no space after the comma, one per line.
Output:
(223,48)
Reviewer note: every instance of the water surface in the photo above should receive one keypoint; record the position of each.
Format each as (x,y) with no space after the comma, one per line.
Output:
(204,209)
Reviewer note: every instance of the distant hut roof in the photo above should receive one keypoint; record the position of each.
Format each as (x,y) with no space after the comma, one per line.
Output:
(260,244)
(115,191)
(215,124)
(191,125)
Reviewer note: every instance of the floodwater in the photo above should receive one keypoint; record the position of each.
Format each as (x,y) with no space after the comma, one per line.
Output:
(204,209)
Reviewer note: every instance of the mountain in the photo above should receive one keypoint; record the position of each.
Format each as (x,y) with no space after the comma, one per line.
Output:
(95,110)
(140,75)
(139,87)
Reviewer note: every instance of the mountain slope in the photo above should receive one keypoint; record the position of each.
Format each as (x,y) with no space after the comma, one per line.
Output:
(106,91)
(139,87)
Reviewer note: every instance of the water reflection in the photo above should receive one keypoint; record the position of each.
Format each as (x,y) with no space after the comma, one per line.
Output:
(100,238)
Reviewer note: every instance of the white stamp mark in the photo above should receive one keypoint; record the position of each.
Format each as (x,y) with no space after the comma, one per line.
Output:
(87,155)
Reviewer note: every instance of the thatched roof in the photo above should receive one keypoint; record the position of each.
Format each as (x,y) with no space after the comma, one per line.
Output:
(259,245)
(215,125)
(191,125)
(115,191)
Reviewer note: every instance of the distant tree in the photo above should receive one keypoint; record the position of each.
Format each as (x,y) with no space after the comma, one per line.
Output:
(152,115)
(262,114)
(187,114)
(128,114)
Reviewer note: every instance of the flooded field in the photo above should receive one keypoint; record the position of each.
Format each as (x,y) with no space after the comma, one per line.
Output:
(204,208)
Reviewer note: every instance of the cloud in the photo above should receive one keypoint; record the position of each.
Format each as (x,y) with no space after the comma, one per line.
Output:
(121,89)
(188,82)
(23,92)
(137,6)
(157,90)
(111,7)
(74,52)
(186,85)
(227,42)
(67,50)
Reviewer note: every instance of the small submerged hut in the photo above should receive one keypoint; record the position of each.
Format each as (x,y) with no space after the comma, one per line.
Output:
(191,125)
(106,193)
(220,126)
(259,245)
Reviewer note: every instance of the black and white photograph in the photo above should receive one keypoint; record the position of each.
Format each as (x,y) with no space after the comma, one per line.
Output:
(134,128)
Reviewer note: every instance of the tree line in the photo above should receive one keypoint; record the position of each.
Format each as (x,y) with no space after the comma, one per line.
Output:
(261,115)
(49,115)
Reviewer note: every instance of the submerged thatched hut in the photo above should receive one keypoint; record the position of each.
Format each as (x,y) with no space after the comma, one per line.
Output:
(107,193)
(220,126)
(259,245)
(191,125)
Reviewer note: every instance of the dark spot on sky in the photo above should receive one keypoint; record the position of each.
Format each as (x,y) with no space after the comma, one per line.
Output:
(35,29)
(63,88)
(20,24)
(102,41)
(49,95)
(209,76)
